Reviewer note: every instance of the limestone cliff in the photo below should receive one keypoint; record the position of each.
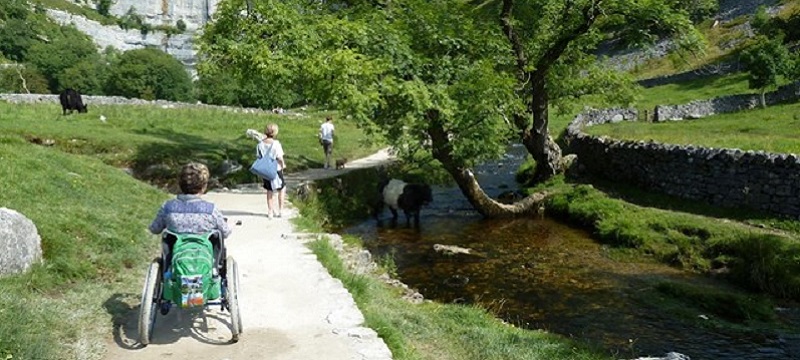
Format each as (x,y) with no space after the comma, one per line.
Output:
(194,13)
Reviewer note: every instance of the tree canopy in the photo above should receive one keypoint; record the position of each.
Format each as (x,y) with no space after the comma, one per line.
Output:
(455,79)
(149,74)
(766,61)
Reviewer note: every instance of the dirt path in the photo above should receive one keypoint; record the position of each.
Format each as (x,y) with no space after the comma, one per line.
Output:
(291,307)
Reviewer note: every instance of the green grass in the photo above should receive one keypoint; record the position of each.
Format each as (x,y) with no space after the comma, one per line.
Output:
(139,137)
(92,220)
(774,129)
(765,260)
(671,94)
(92,216)
(688,91)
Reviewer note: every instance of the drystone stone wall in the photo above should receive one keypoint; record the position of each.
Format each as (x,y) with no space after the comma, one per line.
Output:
(723,177)
(90,100)
(725,104)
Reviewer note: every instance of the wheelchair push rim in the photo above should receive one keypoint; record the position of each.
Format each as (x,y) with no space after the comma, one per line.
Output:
(151,294)
(232,297)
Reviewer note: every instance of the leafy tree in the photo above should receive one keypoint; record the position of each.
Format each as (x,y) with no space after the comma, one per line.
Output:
(149,74)
(16,38)
(88,76)
(766,61)
(22,79)
(67,48)
(14,9)
(452,78)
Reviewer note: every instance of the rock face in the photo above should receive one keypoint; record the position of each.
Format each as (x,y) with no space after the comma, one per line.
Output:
(194,13)
(20,244)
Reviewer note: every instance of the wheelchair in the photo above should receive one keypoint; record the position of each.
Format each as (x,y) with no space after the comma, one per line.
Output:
(218,285)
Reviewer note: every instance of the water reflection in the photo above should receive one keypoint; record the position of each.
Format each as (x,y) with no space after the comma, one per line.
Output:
(541,274)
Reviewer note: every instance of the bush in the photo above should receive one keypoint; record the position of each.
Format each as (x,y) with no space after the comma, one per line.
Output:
(149,74)
(16,38)
(180,25)
(766,263)
(68,48)
(103,6)
(88,77)
(10,80)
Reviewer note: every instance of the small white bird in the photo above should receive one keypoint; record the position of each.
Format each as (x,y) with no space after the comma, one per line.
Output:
(103,118)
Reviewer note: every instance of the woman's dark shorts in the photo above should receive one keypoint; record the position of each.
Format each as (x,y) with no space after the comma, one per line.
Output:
(327,146)
(268,184)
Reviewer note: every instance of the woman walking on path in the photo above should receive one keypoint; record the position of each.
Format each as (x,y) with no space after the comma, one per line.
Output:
(326,139)
(269,146)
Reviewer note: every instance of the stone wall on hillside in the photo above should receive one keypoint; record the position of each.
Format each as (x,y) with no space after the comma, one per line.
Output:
(725,177)
(725,104)
(119,100)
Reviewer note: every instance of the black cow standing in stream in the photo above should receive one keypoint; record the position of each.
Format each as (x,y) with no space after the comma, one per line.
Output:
(71,100)
(399,195)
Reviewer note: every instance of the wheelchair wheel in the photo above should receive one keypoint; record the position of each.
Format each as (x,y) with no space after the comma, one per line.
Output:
(151,295)
(232,297)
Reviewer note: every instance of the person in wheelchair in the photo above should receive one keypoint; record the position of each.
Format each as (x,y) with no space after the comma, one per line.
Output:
(189,214)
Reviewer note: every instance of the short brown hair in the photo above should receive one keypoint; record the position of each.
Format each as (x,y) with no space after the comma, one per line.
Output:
(194,178)
(271,130)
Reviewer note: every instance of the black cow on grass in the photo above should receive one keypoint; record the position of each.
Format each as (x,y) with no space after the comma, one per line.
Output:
(71,100)
(398,194)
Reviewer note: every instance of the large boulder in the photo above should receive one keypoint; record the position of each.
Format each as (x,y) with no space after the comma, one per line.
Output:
(20,244)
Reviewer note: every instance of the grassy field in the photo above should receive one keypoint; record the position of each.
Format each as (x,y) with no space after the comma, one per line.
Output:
(143,137)
(92,216)
(774,129)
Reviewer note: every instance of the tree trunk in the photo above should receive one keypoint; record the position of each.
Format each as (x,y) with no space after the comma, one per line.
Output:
(466,181)
(537,139)
(763,99)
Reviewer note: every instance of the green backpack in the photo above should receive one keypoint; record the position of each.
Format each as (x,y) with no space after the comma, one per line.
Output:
(191,283)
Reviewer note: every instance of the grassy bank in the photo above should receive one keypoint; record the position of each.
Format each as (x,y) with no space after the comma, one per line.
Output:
(92,216)
(762,260)
(92,220)
(154,142)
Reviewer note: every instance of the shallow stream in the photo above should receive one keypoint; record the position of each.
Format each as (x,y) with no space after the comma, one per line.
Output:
(542,274)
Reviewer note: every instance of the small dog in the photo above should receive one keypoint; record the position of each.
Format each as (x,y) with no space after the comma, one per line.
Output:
(340,163)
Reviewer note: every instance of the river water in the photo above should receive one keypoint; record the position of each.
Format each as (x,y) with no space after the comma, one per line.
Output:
(541,274)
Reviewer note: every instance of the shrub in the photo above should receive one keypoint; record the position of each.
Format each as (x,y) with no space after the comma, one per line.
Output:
(87,76)
(180,25)
(16,38)
(149,73)
(10,80)
(68,48)
(766,262)
(103,6)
